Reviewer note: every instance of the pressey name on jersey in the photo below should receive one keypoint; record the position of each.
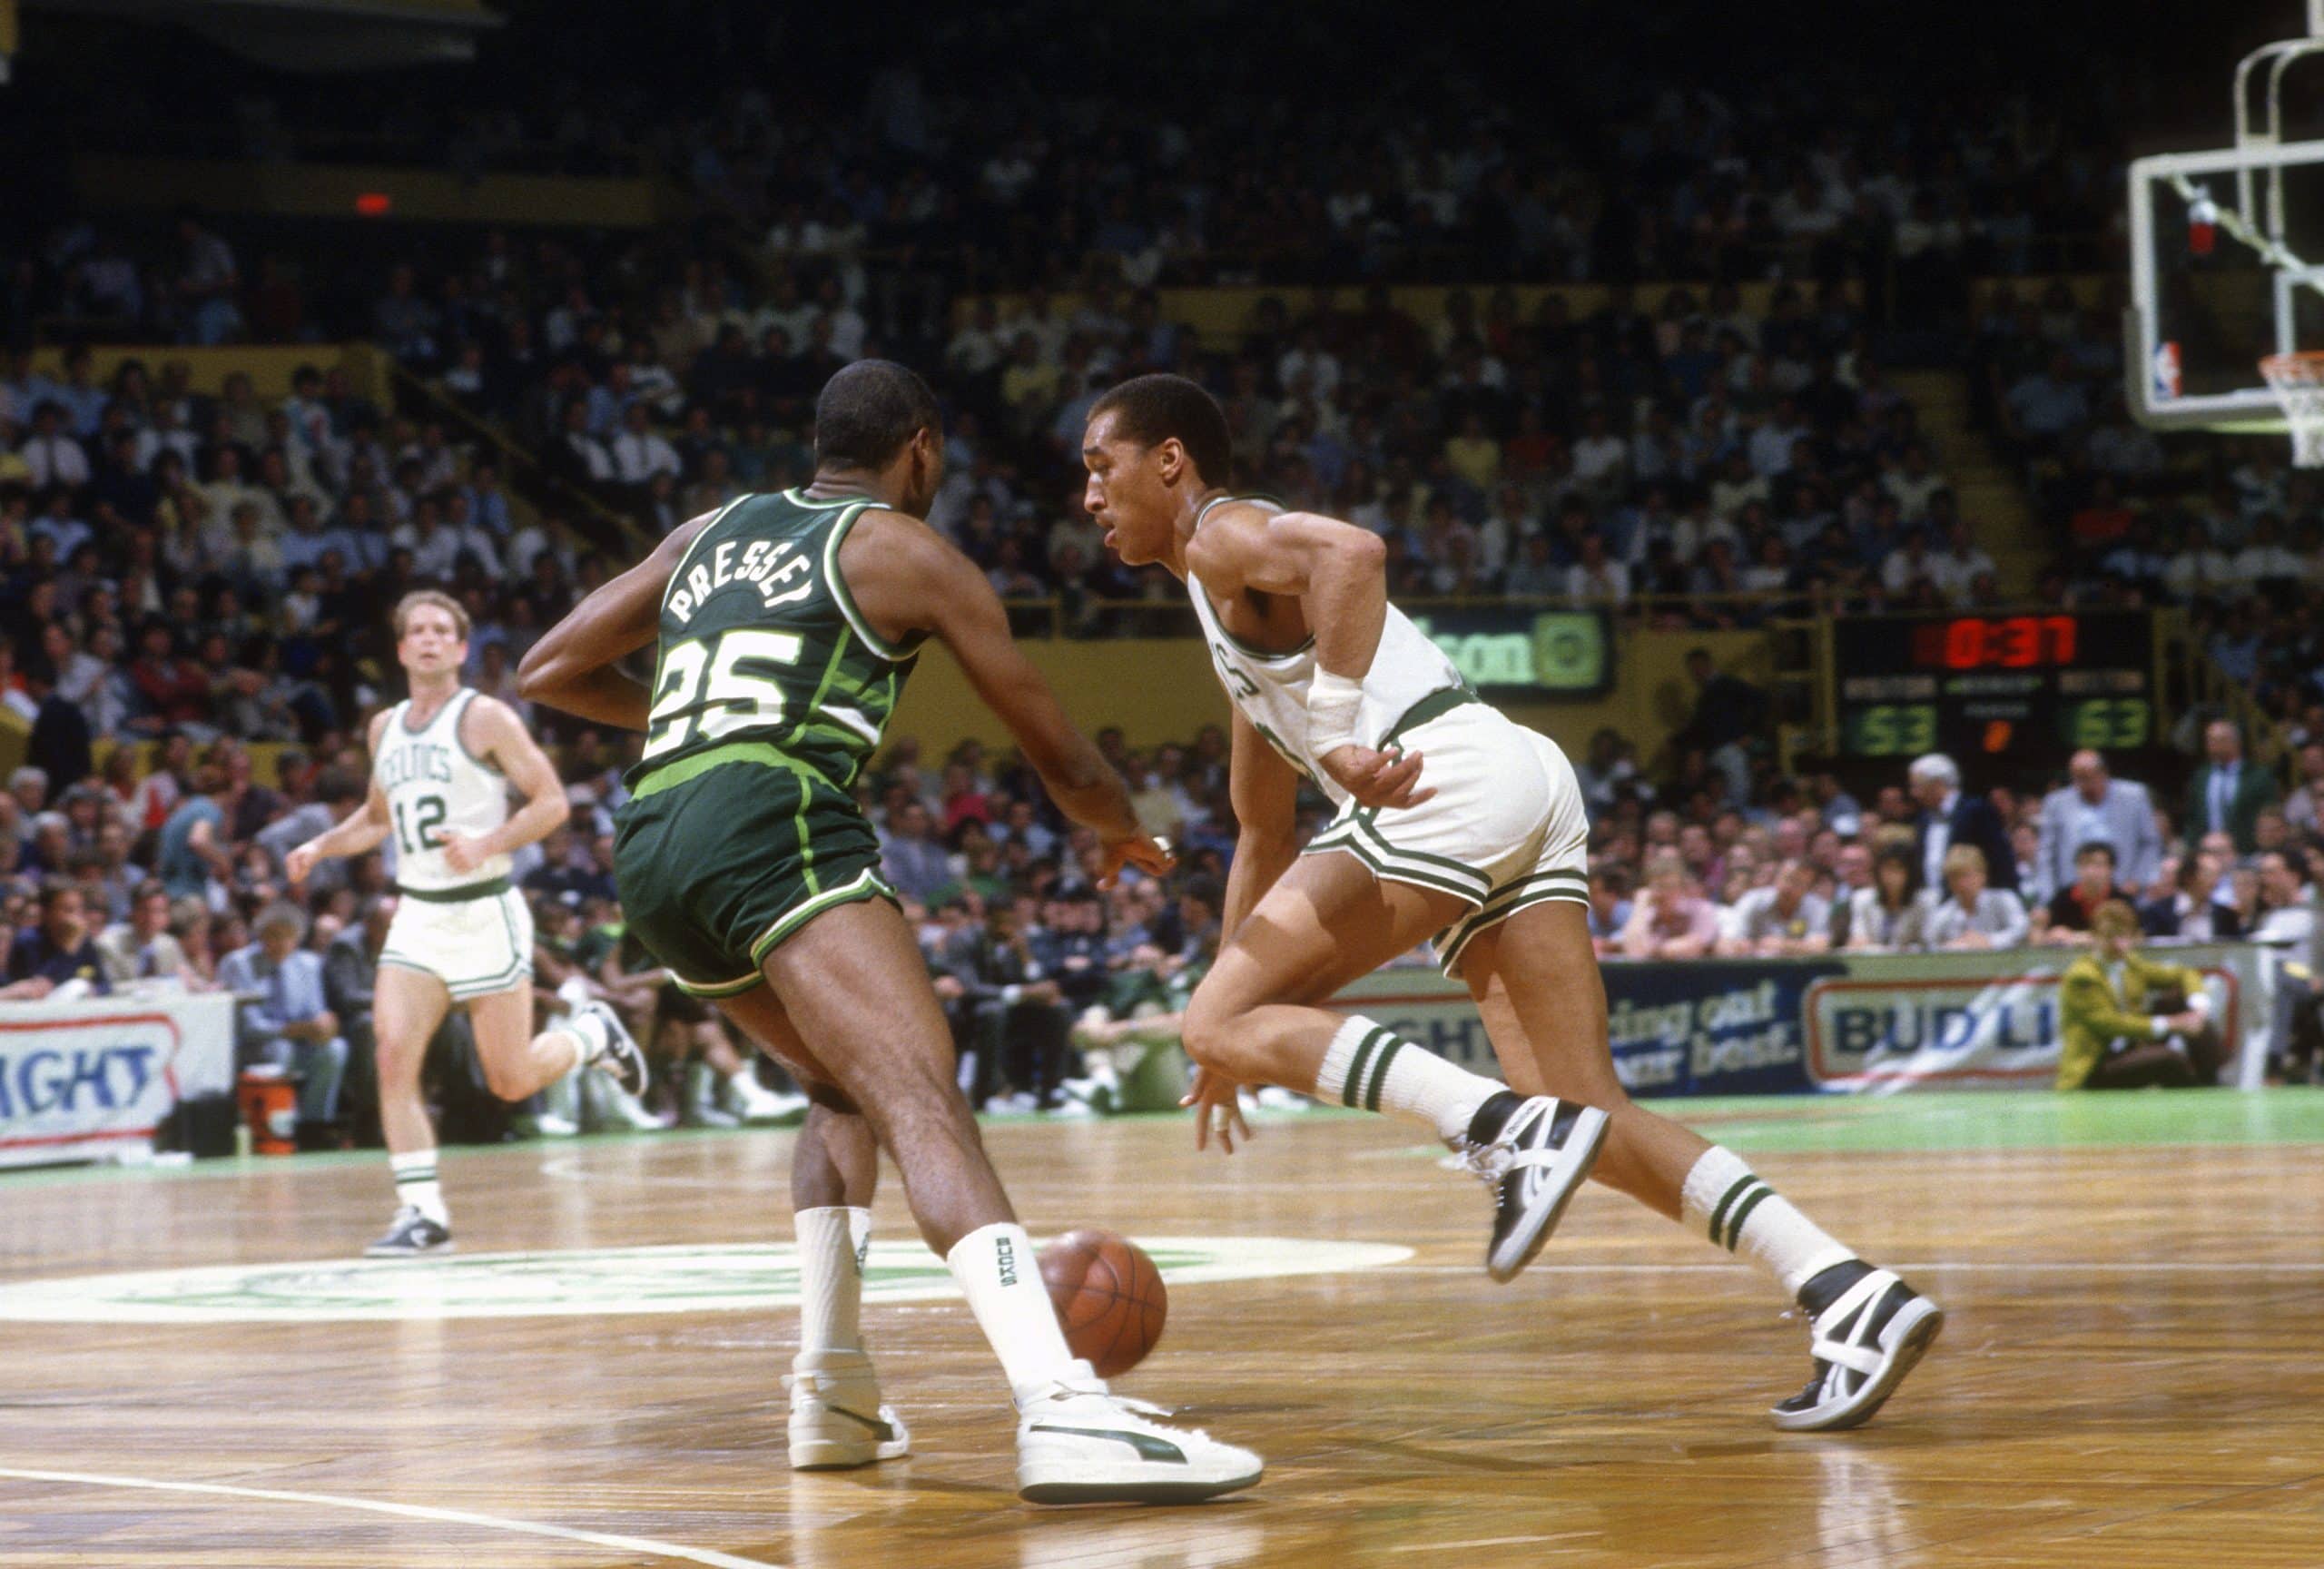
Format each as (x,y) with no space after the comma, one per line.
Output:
(770,565)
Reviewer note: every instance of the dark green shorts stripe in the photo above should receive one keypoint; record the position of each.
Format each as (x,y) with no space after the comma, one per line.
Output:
(1366,823)
(1453,939)
(1380,868)
(1383,856)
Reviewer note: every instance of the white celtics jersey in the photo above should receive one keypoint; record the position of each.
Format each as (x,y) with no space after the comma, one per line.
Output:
(434,787)
(1271,690)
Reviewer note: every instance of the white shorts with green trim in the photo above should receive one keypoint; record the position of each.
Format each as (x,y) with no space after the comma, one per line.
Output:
(1506,829)
(476,947)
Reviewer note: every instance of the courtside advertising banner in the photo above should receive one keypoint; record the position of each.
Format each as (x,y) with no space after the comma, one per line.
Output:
(1856,1023)
(1715,1027)
(94,1081)
(1970,1021)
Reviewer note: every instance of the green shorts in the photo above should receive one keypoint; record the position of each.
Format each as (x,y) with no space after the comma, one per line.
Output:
(718,867)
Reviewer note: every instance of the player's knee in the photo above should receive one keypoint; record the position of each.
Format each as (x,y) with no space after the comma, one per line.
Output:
(1207,1031)
(504,1084)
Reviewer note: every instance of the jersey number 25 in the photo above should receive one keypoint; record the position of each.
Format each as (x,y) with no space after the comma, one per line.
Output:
(702,684)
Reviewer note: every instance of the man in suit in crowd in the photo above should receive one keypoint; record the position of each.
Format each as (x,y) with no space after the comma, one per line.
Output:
(1949,817)
(2098,808)
(2229,790)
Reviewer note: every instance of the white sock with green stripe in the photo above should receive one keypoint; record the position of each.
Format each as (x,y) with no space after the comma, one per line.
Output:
(831,1245)
(1723,1200)
(1367,1068)
(416,1184)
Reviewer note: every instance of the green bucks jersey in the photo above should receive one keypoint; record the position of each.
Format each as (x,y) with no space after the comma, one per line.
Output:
(763,655)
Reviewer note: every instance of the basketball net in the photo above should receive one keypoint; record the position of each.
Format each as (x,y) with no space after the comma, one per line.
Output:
(2297,382)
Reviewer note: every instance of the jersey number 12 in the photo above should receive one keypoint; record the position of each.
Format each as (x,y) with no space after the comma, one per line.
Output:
(702,684)
(428,815)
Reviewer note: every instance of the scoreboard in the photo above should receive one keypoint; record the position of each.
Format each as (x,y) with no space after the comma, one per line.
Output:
(2027,690)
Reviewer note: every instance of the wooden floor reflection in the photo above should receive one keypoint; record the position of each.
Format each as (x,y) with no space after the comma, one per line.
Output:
(2131,1374)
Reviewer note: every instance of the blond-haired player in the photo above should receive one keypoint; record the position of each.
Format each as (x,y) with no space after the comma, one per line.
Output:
(443,763)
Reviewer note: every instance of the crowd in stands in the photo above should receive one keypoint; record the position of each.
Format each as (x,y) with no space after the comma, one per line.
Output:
(188,572)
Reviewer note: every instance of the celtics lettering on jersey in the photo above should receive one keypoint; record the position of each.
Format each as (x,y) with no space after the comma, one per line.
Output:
(761,644)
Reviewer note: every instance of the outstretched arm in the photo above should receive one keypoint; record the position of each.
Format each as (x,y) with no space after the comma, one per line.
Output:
(905,576)
(1339,574)
(573,666)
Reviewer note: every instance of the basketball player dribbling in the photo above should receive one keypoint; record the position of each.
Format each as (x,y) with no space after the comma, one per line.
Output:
(443,762)
(783,627)
(1454,822)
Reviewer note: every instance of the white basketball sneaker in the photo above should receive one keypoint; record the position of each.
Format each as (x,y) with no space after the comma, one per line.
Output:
(1078,1442)
(837,1421)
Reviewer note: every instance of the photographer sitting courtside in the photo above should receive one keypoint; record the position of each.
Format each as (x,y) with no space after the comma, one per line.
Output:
(2114,1038)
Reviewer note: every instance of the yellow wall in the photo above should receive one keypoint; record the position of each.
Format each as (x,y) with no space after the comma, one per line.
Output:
(1163,689)
(328,191)
(269,367)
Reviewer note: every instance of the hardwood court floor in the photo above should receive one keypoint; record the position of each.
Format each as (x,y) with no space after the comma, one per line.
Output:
(2132,1374)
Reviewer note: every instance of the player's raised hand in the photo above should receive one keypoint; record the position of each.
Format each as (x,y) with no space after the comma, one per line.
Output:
(1217,1106)
(1376,778)
(1146,854)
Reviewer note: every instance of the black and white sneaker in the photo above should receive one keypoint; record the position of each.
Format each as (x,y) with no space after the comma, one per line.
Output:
(1532,1153)
(1863,1342)
(619,1057)
(412,1235)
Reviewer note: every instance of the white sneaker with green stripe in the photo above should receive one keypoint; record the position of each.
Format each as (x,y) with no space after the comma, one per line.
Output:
(1078,1443)
(838,1421)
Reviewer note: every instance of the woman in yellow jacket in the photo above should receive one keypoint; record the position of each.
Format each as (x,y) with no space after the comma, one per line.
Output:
(2112,1040)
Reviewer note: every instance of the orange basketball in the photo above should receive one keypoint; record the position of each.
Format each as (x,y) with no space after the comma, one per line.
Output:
(1109,1297)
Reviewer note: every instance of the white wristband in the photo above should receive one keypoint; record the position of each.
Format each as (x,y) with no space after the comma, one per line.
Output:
(1331,704)
(2200,1002)
(2160,1027)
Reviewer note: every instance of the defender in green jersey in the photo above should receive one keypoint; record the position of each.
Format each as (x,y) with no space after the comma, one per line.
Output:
(785,627)
(770,693)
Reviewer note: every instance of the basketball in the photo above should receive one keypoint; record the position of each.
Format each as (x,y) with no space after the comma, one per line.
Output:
(1109,1298)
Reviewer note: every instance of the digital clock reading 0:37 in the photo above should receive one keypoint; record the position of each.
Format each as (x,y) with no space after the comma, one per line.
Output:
(2002,643)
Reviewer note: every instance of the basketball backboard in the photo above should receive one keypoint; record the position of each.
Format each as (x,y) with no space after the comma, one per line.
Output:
(2226,259)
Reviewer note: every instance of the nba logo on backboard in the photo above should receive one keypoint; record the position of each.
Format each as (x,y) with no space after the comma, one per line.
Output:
(2162,370)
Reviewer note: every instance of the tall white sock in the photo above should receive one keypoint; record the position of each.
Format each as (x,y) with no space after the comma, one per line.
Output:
(831,1245)
(995,1267)
(1724,1201)
(1367,1066)
(416,1184)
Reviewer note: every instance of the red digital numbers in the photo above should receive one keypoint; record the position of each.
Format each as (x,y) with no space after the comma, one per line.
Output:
(2011,643)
